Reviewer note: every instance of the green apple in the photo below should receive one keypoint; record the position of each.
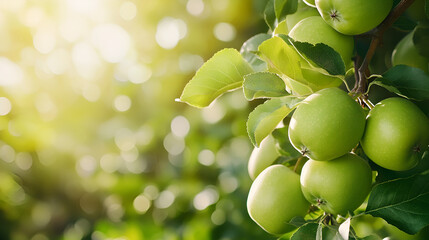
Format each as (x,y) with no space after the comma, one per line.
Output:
(291,20)
(327,124)
(354,17)
(396,134)
(315,30)
(310,3)
(275,198)
(262,157)
(338,186)
(406,53)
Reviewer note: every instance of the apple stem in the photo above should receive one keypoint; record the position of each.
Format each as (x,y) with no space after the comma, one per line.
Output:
(377,36)
(299,163)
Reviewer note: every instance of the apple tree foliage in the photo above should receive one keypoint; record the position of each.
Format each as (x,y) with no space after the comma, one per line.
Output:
(282,72)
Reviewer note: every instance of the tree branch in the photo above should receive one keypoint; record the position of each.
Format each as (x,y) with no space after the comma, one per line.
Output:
(377,36)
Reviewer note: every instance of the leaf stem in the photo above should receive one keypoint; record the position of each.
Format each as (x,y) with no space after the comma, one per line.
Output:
(377,36)
(367,102)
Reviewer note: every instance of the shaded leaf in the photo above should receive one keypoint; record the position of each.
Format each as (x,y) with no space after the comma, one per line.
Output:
(405,81)
(306,232)
(384,175)
(270,15)
(263,85)
(421,39)
(427,9)
(404,23)
(321,54)
(223,72)
(266,116)
(402,202)
(249,49)
(284,7)
(283,144)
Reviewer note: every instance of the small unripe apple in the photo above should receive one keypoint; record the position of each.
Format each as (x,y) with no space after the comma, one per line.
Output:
(354,17)
(406,53)
(338,186)
(327,124)
(275,198)
(315,30)
(262,156)
(396,134)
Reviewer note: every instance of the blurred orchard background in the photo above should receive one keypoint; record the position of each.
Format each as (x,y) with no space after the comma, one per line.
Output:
(92,142)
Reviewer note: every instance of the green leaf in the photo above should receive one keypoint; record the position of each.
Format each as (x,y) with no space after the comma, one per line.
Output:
(421,39)
(316,231)
(307,232)
(300,78)
(223,72)
(263,85)
(320,54)
(402,202)
(404,23)
(265,117)
(250,48)
(283,59)
(405,81)
(284,7)
(284,146)
(386,175)
(270,15)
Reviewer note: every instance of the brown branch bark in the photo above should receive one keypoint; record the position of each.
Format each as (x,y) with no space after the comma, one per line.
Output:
(377,37)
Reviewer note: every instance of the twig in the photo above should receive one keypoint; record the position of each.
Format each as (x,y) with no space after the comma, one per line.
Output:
(362,80)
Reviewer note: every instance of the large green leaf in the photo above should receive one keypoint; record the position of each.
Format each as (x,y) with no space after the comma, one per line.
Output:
(320,54)
(250,48)
(225,71)
(263,85)
(402,202)
(406,81)
(265,117)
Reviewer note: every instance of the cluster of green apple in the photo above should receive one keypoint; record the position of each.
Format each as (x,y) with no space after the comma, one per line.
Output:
(329,125)
(325,128)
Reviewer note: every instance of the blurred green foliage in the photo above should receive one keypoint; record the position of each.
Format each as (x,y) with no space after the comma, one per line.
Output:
(92,142)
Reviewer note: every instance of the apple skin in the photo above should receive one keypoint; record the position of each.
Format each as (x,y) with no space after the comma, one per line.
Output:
(262,156)
(310,3)
(396,134)
(338,186)
(275,198)
(354,17)
(327,124)
(406,53)
(315,30)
